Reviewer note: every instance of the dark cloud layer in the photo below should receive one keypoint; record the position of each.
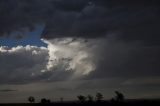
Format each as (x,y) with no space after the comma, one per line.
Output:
(127,61)
(132,20)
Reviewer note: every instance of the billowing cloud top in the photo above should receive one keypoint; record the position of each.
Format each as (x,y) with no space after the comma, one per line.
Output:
(74,55)
(62,59)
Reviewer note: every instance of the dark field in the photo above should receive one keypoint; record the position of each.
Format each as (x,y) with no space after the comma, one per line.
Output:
(102,103)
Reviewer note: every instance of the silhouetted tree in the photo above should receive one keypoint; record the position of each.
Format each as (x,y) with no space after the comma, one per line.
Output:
(31,99)
(99,97)
(61,99)
(90,98)
(48,101)
(81,98)
(119,96)
(44,100)
(112,100)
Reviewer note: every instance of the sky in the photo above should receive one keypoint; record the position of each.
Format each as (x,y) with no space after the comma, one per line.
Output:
(64,48)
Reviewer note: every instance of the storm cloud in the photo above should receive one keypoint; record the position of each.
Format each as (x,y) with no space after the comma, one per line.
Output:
(73,59)
(91,45)
(20,64)
(133,21)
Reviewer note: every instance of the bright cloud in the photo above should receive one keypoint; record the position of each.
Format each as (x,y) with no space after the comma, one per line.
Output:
(73,54)
(64,58)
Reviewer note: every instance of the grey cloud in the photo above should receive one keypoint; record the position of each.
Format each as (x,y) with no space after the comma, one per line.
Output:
(134,20)
(126,60)
(143,81)
(21,15)
(112,59)
(91,59)
(20,64)
(7,90)
(26,64)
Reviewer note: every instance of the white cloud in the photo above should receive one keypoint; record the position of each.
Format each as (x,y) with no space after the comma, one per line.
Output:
(73,54)
(21,63)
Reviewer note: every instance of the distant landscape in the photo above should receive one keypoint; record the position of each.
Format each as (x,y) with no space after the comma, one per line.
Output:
(144,102)
(119,99)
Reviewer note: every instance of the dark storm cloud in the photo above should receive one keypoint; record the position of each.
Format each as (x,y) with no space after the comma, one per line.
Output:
(21,15)
(132,25)
(133,20)
(121,60)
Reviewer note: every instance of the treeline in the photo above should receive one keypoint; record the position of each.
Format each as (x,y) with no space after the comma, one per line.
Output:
(119,97)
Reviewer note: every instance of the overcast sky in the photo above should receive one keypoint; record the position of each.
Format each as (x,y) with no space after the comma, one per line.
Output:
(63,48)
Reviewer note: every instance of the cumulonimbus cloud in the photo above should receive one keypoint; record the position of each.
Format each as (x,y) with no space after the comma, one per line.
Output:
(74,58)
(64,58)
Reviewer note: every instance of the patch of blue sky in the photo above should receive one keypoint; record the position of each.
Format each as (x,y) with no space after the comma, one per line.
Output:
(29,38)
